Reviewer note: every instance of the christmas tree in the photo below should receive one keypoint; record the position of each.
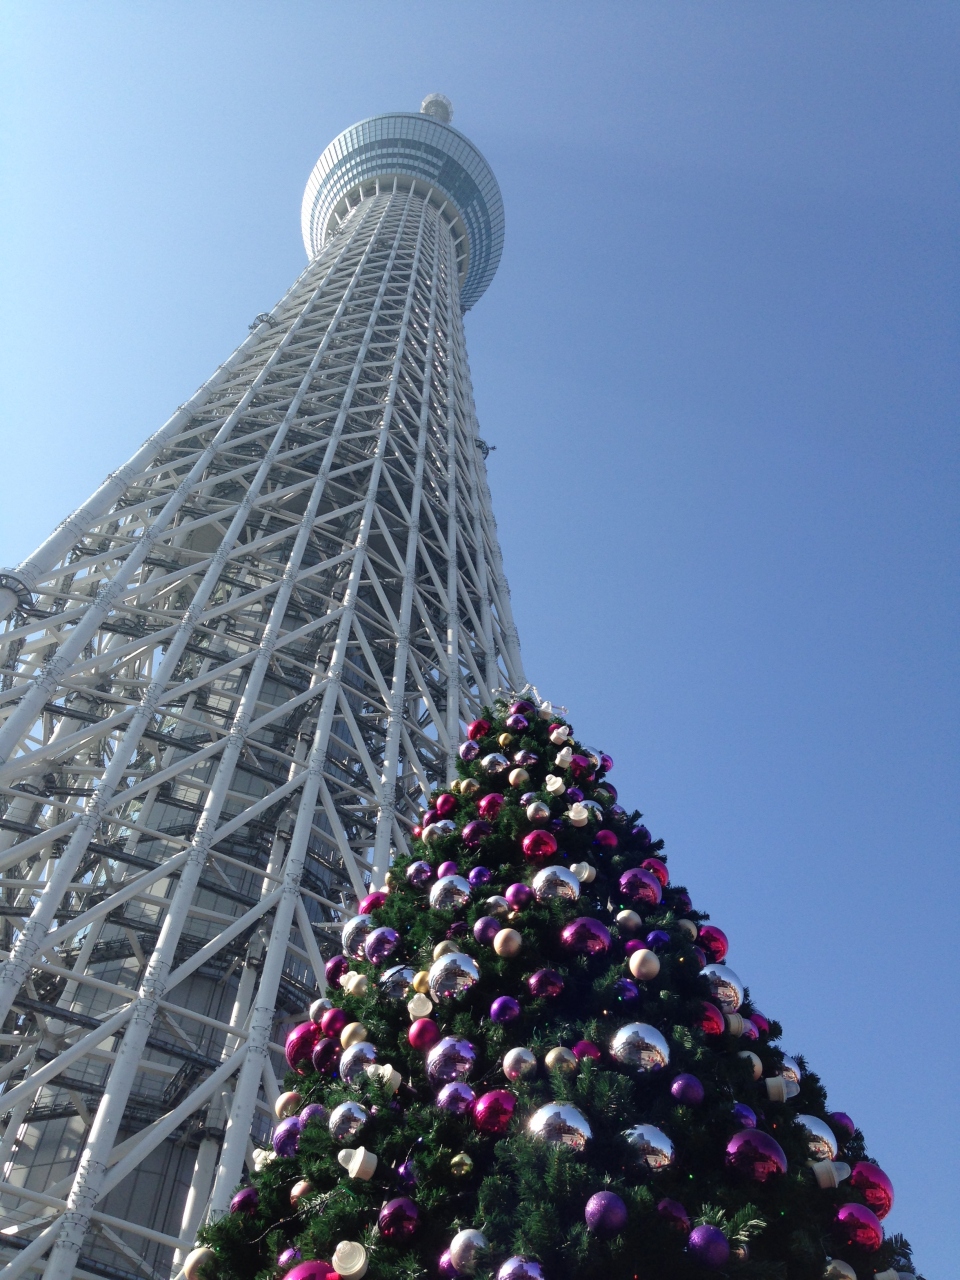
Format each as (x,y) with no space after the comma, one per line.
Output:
(536,1064)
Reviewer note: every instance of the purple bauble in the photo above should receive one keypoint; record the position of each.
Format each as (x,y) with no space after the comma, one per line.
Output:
(419,874)
(486,929)
(632,945)
(517,723)
(457,1098)
(398,1219)
(709,1246)
(518,1268)
(640,888)
(605,1214)
(682,901)
(480,876)
(526,759)
(573,794)
(841,1124)
(642,836)
(446,1268)
(407,1173)
(474,832)
(469,751)
(326,1054)
(687,1089)
(585,936)
(288,1258)
(446,869)
(312,1112)
(504,1009)
(335,968)
(286,1136)
(675,1215)
(528,797)
(459,929)
(299,1045)
(522,707)
(756,1155)
(519,896)
(450,1059)
(625,990)
(744,1115)
(545,984)
(246,1200)
(657,939)
(381,944)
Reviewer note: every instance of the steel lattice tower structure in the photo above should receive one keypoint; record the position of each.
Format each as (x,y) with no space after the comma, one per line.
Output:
(228,679)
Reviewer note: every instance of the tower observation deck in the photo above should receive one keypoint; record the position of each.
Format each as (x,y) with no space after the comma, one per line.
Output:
(227,681)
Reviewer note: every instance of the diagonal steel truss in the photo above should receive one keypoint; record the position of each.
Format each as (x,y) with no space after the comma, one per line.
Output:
(225,685)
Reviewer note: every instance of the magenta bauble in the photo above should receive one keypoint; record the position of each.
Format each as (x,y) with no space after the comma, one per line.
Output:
(657,868)
(713,942)
(858,1227)
(539,844)
(606,764)
(490,806)
(446,1268)
(423,1034)
(287,1258)
(300,1044)
(586,936)
(333,1022)
(874,1185)
(756,1155)
(580,766)
(493,1111)
(584,1049)
(475,831)
(313,1270)
(606,840)
(446,805)
(545,984)
(246,1200)
(446,869)
(520,896)
(398,1219)
(675,1215)
(762,1024)
(477,729)
(605,1214)
(709,1246)
(640,887)
(372,902)
(335,968)
(711,1021)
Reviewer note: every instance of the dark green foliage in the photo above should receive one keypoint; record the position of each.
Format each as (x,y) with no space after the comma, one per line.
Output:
(526,1197)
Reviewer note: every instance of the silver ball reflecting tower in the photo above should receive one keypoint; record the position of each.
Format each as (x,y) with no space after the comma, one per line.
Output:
(226,682)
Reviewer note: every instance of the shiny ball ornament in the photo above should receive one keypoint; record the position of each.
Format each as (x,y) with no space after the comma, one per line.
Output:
(556,883)
(760,1022)
(355,934)
(688,929)
(346,1121)
(423,1034)
(350,1260)
(319,1008)
(584,1049)
(539,844)
(650,1147)
(837,1269)
(469,787)
(486,929)
(286,1137)
(200,1264)
(421,982)
(507,943)
(745,1116)
(326,1055)
(642,836)
(299,1190)
(525,759)
(475,832)
(518,777)
(300,1044)
(288,1104)
(490,805)
(315,1269)
(709,1246)
(755,1155)
(790,1069)
(658,868)
(461,1166)
(841,1124)
(479,877)
(640,1045)
(494,763)
(628,921)
(563,1061)
(545,984)
(585,936)
(644,964)
(399,1219)
(607,840)
(477,729)
(497,906)
(246,1200)
(493,1111)
(714,942)
(396,983)
(523,707)
(674,1215)
(505,739)
(756,1066)
(446,805)
(710,1021)
(640,887)
(687,1089)
(858,1227)
(519,896)
(449,893)
(359,1055)
(381,944)
(605,1214)
(821,1140)
(504,1009)
(520,1268)
(444,948)
(419,874)
(725,987)
(873,1184)
(519,1064)
(453,975)
(517,723)
(657,939)
(626,990)
(468,752)
(312,1113)
(456,1098)
(558,1124)
(465,1250)
(450,1059)
(372,902)
(352,1034)
(537,811)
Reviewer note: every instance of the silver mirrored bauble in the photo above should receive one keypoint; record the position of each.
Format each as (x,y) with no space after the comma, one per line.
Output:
(519,1064)
(450,892)
(319,1008)
(497,906)
(442,827)
(452,975)
(537,811)
(556,882)
(395,983)
(346,1121)
(450,1059)
(650,1146)
(465,1249)
(495,763)
(837,1269)
(560,1124)
(355,933)
(790,1069)
(821,1140)
(593,809)
(726,987)
(640,1045)
(354,1060)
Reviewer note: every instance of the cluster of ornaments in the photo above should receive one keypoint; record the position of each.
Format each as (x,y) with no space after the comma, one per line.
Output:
(330,1043)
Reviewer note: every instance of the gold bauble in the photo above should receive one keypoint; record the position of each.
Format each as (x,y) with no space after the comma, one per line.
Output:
(455,785)
(507,942)
(352,1033)
(562,1060)
(469,787)
(444,948)
(461,1165)
(505,739)
(518,777)
(421,983)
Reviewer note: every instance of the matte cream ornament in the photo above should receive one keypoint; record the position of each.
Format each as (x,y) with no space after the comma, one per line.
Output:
(200,1264)
(829,1173)
(554,784)
(644,964)
(688,929)
(420,1006)
(359,1163)
(350,1260)
(836,1269)
(560,734)
(577,815)
(507,943)
(355,984)
(385,1075)
(779,1088)
(262,1156)
(629,922)
(585,872)
(352,1033)
(564,757)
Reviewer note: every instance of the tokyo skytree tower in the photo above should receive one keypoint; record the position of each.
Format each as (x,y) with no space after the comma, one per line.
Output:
(226,683)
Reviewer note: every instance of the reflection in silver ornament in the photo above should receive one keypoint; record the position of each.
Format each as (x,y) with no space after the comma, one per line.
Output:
(495,763)
(452,975)
(593,809)
(497,906)
(449,892)
(650,1146)
(442,827)
(396,982)
(355,933)
(346,1121)
(556,883)
(465,1249)
(821,1140)
(450,1059)
(640,1045)
(726,987)
(560,1124)
(790,1069)
(519,1063)
(354,1060)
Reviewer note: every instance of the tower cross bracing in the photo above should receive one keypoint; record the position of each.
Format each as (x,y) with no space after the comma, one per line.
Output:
(227,682)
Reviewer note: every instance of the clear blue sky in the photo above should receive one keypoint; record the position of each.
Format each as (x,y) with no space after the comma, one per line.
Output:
(719,366)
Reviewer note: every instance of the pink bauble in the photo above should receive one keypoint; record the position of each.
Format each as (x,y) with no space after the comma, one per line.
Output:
(713,941)
(763,1026)
(657,868)
(519,896)
(580,766)
(874,1185)
(398,1219)
(710,1021)
(313,1270)
(490,805)
(755,1154)
(606,764)
(586,936)
(859,1227)
(335,968)
(326,1055)
(477,729)
(423,1034)
(586,1049)
(606,840)
(639,887)
(446,805)
(539,844)
(372,902)
(493,1111)
(333,1022)
(300,1044)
